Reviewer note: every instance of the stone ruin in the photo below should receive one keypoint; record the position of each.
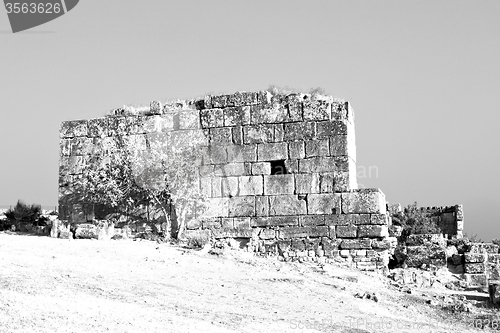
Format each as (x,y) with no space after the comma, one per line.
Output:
(279,172)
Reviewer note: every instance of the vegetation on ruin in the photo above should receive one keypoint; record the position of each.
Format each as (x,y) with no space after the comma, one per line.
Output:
(23,212)
(132,173)
(415,221)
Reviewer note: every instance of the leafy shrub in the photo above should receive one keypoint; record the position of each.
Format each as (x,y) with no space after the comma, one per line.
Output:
(197,241)
(414,221)
(23,212)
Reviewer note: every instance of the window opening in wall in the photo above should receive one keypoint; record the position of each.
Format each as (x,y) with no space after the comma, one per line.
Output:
(278,167)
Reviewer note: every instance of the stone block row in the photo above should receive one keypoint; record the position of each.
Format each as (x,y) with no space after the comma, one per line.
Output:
(241,179)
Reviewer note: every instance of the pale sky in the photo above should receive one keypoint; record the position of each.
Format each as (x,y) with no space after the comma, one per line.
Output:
(423,78)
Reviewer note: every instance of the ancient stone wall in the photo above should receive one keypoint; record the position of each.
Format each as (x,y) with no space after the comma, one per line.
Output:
(278,171)
(450,219)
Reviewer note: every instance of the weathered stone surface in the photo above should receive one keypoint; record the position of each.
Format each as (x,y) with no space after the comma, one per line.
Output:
(261,168)
(229,186)
(217,207)
(316,109)
(475,268)
(318,164)
(347,219)
(232,233)
(214,155)
(340,111)
(239,115)
(241,222)
(267,114)
(230,169)
(273,221)
(211,222)
(371,231)
(86,230)
(294,106)
(301,232)
(189,119)
(494,258)
(343,181)
(339,145)
(221,136)
(306,183)
(74,128)
(258,134)
(381,219)
(211,118)
(388,243)
(364,201)
(98,127)
(317,148)
(426,254)
(300,131)
(474,257)
(346,231)
(279,184)
(242,153)
(327,129)
(267,234)
(286,205)
(489,248)
(311,220)
(251,185)
(272,151)
(262,206)
(424,239)
(476,280)
(221,101)
(292,166)
(323,203)
(279,133)
(242,206)
(357,244)
(216,186)
(296,150)
(327,182)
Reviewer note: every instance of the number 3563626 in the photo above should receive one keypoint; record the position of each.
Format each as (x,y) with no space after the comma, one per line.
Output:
(33,8)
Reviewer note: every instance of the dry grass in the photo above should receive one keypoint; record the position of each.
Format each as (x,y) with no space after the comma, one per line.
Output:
(54,285)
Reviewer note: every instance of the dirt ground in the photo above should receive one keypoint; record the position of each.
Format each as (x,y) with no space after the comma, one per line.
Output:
(55,285)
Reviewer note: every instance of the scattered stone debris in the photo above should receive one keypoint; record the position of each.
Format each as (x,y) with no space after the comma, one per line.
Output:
(367,295)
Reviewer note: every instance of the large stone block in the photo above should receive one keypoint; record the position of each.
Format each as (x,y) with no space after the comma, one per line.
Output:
(355,244)
(251,185)
(258,133)
(306,183)
(339,146)
(327,129)
(274,221)
(279,184)
(81,146)
(260,114)
(189,119)
(300,131)
(229,186)
(476,280)
(272,151)
(217,207)
(364,201)
(239,115)
(296,150)
(279,133)
(211,222)
(221,136)
(380,219)
(475,268)
(317,148)
(120,126)
(262,206)
(242,153)
(341,111)
(242,206)
(98,127)
(241,98)
(216,186)
(317,109)
(73,128)
(211,118)
(426,254)
(230,169)
(318,164)
(261,168)
(489,248)
(372,231)
(286,205)
(327,182)
(346,231)
(311,220)
(86,231)
(302,232)
(214,155)
(328,203)
(221,101)
(232,233)
(347,219)
(241,222)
